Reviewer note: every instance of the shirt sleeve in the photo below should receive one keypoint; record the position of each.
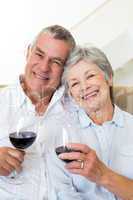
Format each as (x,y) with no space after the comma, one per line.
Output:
(65,186)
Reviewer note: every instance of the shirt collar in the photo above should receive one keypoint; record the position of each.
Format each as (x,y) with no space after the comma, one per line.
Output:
(20,95)
(56,97)
(84,119)
(117,119)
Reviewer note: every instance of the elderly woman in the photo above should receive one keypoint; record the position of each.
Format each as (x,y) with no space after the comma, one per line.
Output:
(102,166)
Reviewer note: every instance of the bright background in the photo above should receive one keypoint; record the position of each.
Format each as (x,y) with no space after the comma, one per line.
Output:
(22,20)
(104,23)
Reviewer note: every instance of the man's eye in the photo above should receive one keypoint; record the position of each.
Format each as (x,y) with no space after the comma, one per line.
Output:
(57,62)
(39,55)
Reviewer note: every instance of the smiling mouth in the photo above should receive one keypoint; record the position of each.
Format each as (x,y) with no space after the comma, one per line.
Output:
(41,76)
(89,95)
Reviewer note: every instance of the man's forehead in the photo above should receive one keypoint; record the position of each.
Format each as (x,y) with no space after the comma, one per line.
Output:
(44,39)
(48,40)
(41,49)
(46,43)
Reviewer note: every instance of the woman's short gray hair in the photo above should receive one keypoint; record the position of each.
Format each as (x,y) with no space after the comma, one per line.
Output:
(92,54)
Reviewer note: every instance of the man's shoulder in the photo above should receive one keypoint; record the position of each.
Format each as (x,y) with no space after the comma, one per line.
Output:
(9,93)
(8,90)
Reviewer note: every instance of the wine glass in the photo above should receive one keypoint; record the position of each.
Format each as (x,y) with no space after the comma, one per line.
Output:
(22,132)
(69,133)
(69,128)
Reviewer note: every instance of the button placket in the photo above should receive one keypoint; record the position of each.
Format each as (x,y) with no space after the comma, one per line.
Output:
(103,143)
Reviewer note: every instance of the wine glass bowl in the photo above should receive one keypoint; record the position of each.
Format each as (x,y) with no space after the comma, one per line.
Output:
(22,140)
(65,149)
(63,140)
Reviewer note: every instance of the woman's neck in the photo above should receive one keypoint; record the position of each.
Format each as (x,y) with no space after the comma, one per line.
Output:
(102,115)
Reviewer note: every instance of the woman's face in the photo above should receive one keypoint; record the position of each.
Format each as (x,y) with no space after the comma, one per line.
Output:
(88,86)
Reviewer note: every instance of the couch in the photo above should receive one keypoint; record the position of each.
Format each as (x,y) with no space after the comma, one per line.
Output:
(122,95)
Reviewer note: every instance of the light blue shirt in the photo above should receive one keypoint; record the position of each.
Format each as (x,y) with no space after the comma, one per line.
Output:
(113,143)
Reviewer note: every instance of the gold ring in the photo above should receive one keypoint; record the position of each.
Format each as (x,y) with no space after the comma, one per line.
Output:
(81,164)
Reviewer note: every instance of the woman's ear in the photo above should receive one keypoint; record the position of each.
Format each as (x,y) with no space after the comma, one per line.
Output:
(110,80)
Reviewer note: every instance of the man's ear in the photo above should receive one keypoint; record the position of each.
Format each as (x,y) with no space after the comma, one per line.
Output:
(28,52)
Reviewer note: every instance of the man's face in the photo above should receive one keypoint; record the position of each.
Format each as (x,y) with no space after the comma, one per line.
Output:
(88,86)
(45,63)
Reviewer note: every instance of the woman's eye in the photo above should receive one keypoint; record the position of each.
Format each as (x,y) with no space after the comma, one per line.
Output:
(90,76)
(74,84)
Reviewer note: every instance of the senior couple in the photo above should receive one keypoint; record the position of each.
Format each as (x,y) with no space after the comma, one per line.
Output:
(100,166)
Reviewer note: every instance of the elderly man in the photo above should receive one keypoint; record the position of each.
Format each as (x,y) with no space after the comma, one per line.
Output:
(38,89)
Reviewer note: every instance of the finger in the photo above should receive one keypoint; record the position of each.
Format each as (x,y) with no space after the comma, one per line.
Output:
(76,171)
(72,156)
(14,163)
(7,167)
(73,165)
(18,154)
(4,172)
(79,147)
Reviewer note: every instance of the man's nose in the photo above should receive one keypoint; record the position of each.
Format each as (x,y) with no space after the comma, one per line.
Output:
(45,65)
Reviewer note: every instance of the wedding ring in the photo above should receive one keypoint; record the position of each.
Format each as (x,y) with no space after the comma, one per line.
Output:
(81,164)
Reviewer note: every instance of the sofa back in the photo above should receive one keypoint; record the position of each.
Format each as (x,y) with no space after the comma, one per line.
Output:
(123,97)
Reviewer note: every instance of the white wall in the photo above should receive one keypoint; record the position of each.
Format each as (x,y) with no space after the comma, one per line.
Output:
(101,22)
(106,23)
(21,20)
(120,50)
(110,28)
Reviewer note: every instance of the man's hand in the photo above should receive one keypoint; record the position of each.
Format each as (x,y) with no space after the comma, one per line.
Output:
(10,159)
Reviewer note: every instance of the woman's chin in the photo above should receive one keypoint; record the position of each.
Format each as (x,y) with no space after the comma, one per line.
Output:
(91,108)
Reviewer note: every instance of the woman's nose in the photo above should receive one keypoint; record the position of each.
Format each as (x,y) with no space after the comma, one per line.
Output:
(83,85)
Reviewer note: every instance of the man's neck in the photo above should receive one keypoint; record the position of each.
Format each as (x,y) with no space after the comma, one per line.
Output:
(41,102)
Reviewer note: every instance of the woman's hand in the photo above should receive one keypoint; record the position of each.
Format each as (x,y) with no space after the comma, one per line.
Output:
(90,166)
(86,162)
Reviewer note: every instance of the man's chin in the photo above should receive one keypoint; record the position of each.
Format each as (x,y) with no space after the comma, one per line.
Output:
(45,91)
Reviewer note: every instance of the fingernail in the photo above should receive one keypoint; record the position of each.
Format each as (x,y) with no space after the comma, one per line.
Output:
(60,156)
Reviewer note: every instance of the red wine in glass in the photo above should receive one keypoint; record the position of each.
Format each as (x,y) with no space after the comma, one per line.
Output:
(22,140)
(64,149)
(63,139)
(23,128)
